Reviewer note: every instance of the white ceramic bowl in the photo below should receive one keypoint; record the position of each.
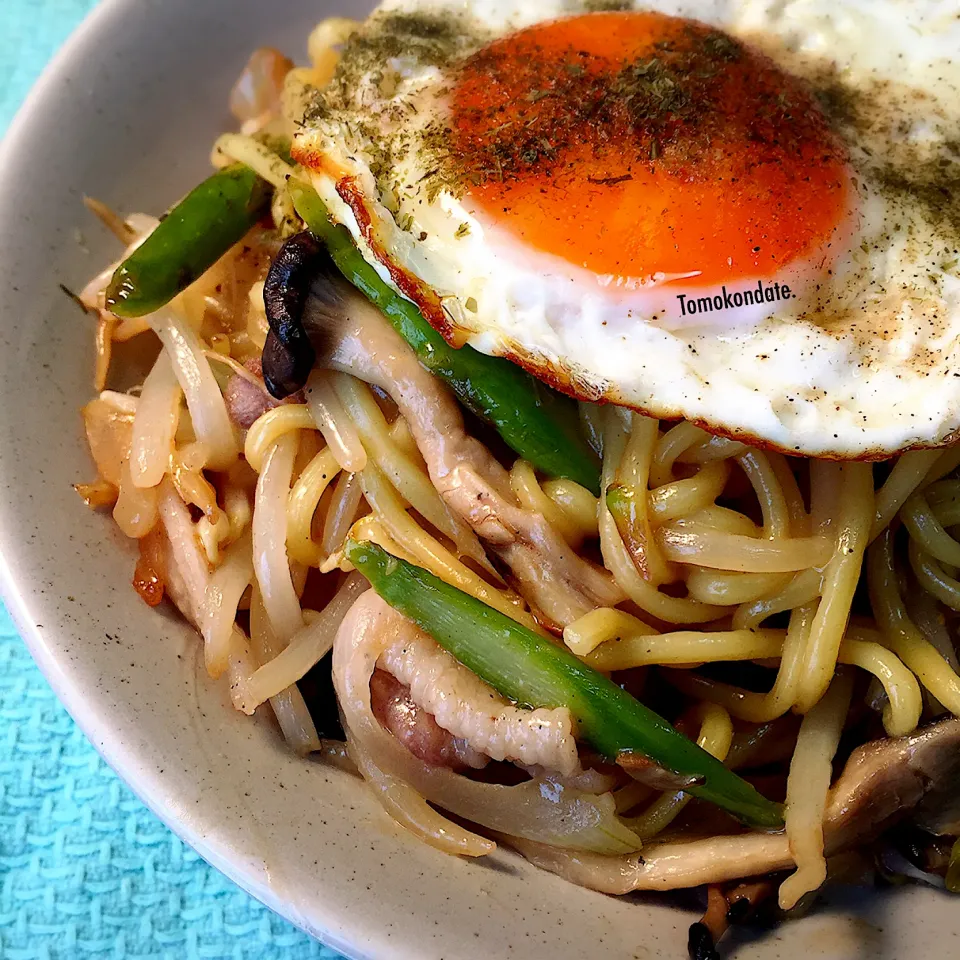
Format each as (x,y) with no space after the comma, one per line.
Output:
(127,113)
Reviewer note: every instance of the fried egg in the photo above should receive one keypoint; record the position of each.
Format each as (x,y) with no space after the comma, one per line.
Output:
(743,214)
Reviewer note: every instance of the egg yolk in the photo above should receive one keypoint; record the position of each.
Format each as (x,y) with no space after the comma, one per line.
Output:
(643,146)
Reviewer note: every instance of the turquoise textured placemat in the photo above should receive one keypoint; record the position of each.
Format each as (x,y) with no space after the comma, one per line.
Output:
(86,871)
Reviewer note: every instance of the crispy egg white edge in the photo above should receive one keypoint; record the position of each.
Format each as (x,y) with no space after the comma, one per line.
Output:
(791,385)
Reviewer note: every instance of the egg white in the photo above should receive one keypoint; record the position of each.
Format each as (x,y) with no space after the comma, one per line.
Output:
(864,363)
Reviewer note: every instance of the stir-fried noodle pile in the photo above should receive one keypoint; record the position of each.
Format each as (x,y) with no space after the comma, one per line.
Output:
(778,611)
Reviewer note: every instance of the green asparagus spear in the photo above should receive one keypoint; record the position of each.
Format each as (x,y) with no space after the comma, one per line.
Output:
(536,422)
(529,669)
(193,235)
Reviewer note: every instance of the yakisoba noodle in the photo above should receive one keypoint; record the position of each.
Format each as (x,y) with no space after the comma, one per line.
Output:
(731,557)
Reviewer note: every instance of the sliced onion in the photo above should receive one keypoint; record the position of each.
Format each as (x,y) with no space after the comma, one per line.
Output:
(256,94)
(543,810)
(693,543)
(108,436)
(155,424)
(135,511)
(410,810)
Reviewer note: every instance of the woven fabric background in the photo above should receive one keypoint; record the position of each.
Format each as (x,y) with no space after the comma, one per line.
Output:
(86,871)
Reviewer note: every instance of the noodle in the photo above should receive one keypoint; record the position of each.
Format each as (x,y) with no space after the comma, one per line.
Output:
(722,519)
(713,448)
(926,612)
(332,421)
(341,513)
(901,634)
(604,625)
(218,609)
(678,610)
(933,578)
(944,497)
(729,589)
(716,735)
(288,705)
(685,647)
(271,426)
(904,702)
(302,505)
(427,551)
(908,473)
(675,441)
(803,588)
(523,482)
(402,436)
(306,648)
(678,498)
(903,692)
(270,561)
(839,582)
(618,561)
(634,471)
(407,477)
(613,640)
(208,411)
(790,489)
(929,618)
(766,485)
(807,785)
(946,463)
(578,504)
(687,541)
(928,533)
